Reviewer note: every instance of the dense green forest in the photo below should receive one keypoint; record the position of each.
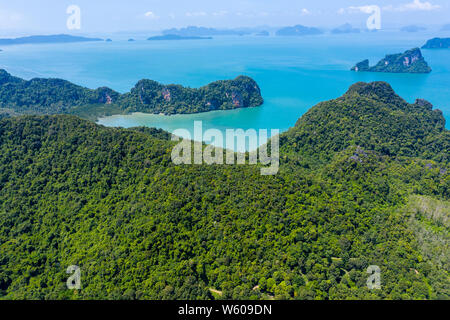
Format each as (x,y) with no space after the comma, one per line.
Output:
(411,61)
(57,96)
(364,180)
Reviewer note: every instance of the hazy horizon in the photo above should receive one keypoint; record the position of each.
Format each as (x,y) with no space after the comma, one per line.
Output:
(101,16)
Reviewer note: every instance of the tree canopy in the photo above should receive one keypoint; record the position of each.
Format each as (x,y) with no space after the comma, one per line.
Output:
(363,181)
(57,96)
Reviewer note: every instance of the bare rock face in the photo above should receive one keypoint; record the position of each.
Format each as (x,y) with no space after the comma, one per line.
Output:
(411,61)
(106,96)
(166,94)
(236,97)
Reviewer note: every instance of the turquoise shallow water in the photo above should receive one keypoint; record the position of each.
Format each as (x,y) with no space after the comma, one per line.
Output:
(294,73)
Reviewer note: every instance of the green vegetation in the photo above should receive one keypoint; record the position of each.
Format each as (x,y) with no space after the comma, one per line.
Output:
(374,117)
(153,97)
(430,220)
(111,201)
(411,61)
(56,96)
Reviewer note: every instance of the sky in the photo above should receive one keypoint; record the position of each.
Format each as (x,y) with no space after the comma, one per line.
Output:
(108,16)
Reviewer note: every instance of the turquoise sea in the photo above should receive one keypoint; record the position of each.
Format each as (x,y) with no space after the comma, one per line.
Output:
(294,73)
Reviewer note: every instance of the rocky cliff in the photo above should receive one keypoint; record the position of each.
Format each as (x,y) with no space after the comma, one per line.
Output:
(411,61)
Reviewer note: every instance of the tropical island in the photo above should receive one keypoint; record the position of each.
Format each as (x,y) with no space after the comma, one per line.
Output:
(298,30)
(412,28)
(177,37)
(194,31)
(437,43)
(364,180)
(57,96)
(345,28)
(60,38)
(411,61)
(263,33)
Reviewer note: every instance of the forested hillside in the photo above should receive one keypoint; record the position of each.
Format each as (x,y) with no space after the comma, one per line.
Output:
(411,61)
(57,96)
(364,180)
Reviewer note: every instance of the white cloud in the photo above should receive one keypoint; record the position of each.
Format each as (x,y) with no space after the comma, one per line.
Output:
(220,13)
(416,5)
(151,15)
(196,14)
(363,9)
(10,19)
(305,12)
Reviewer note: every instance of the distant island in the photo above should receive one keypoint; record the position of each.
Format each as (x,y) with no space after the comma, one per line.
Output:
(57,96)
(437,43)
(177,37)
(263,33)
(298,30)
(446,27)
(131,40)
(412,28)
(193,31)
(411,61)
(345,28)
(60,38)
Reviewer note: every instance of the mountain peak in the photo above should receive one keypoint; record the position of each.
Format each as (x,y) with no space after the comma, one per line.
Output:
(4,73)
(6,77)
(373,116)
(378,89)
